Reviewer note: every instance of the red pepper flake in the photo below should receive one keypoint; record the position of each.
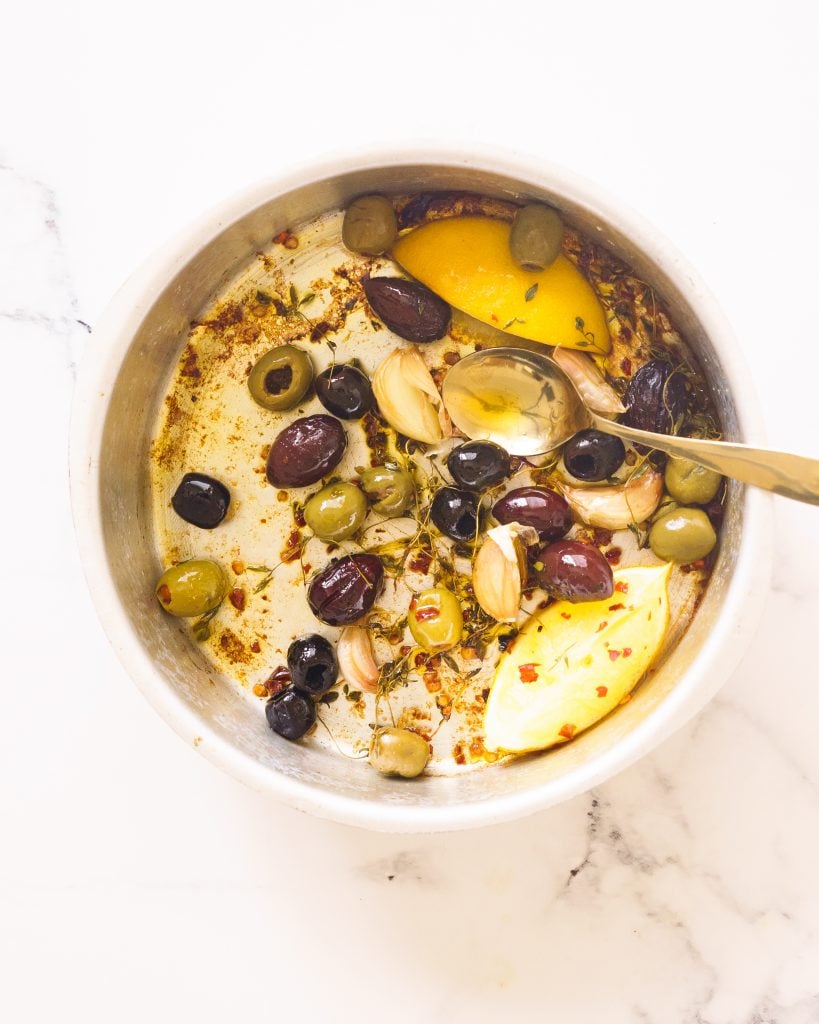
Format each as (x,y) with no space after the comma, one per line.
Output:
(405,650)
(420,659)
(613,555)
(616,607)
(287,239)
(602,626)
(626,652)
(458,754)
(279,679)
(292,549)
(602,691)
(625,365)
(614,655)
(164,594)
(426,614)
(565,615)
(256,647)
(421,562)
(621,587)
(237,599)
(567,731)
(601,537)
(528,672)
(493,317)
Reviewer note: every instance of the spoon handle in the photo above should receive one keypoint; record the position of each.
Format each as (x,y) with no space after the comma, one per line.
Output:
(793,476)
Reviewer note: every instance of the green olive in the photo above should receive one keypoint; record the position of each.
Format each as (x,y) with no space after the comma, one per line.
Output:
(192,588)
(399,752)
(391,491)
(336,511)
(435,619)
(536,237)
(280,379)
(689,483)
(683,535)
(369,225)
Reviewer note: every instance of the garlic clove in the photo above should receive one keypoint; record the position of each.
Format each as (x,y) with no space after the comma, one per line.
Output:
(590,383)
(408,398)
(617,507)
(499,571)
(356,660)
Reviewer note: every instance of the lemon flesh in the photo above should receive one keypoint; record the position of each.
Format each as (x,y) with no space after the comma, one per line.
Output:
(466,260)
(573,663)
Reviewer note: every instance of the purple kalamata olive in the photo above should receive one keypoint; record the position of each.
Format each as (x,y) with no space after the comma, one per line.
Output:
(573,571)
(656,398)
(547,511)
(408,308)
(306,451)
(346,589)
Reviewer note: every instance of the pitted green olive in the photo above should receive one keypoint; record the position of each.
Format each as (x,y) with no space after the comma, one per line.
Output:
(399,752)
(280,379)
(683,536)
(536,237)
(192,588)
(369,225)
(689,483)
(336,512)
(435,619)
(391,491)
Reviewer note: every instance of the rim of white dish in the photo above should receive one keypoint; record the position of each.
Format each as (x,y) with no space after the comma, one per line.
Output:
(713,663)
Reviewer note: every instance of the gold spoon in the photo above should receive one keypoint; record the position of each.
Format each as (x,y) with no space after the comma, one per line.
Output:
(524,402)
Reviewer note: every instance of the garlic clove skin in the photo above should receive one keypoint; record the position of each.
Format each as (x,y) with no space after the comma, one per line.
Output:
(356,660)
(589,382)
(408,398)
(616,507)
(499,571)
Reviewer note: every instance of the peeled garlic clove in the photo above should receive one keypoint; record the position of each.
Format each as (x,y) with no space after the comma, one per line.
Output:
(407,397)
(617,507)
(590,383)
(356,661)
(499,571)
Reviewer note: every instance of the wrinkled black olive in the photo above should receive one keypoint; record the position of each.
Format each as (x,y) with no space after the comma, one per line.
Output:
(408,308)
(574,571)
(312,663)
(344,391)
(593,455)
(478,464)
(455,513)
(656,398)
(291,713)
(201,501)
(306,451)
(346,589)
(547,511)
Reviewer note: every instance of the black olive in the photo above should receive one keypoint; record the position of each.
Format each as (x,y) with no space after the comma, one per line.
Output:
(305,451)
(547,511)
(408,308)
(455,513)
(574,571)
(344,391)
(312,663)
(346,589)
(477,465)
(593,455)
(201,500)
(656,398)
(291,713)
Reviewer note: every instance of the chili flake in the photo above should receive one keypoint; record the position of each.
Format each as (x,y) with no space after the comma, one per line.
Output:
(565,615)
(528,673)
(621,587)
(616,607)
(567,731)
(614,655)
(602,626)
(626,652)
(602,691)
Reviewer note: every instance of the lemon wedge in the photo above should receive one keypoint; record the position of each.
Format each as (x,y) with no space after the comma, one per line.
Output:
(573,663)
(466,260)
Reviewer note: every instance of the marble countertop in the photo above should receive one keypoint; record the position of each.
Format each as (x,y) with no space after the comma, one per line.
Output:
(137,882)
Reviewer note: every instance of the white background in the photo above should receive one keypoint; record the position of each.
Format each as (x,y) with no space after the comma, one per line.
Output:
(137,882)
